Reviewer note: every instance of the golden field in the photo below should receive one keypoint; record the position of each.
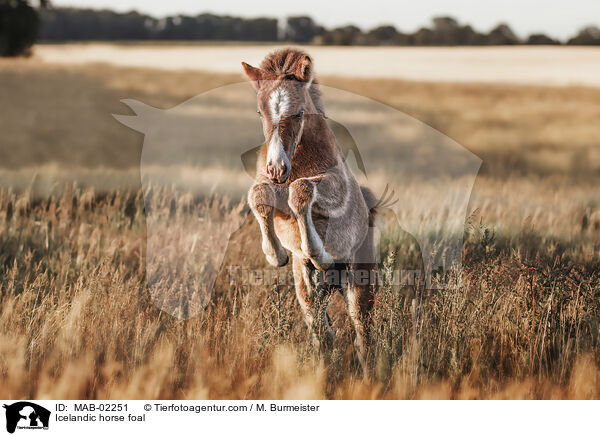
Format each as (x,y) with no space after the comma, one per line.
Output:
(532,65)
(77,320)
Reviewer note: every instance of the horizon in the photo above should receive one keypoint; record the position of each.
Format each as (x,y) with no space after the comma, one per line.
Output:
(525,17)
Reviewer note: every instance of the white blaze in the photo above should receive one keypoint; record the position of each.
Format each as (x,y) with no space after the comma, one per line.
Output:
(276,153)
(279,102)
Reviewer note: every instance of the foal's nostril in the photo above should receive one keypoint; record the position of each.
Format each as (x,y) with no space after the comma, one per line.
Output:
(277,172)
(282,175)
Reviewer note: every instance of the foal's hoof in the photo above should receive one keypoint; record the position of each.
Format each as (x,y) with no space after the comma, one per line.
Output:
(278,261)
(276,256)
(322,262)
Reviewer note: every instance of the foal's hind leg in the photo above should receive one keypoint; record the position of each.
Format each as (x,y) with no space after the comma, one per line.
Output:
(359,300)
(360,297)
(262,200)
(313,302)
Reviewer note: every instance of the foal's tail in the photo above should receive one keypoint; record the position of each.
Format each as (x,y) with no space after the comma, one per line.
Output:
(375,204)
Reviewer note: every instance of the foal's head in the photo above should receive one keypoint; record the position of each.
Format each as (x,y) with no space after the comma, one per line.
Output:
(285,96)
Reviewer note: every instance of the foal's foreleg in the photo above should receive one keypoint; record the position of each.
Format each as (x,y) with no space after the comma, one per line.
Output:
(262,200)
(302,194)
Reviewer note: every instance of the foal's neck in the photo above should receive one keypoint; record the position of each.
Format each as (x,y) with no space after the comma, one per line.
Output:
(317,151)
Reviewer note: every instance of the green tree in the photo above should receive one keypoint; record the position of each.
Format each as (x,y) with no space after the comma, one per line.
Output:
(19,26)
(541,39)
(587,36)
(301,29)
(502,34)
(346,35)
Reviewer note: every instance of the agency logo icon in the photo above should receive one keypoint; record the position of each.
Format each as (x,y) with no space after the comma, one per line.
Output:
(25,415)
(191,156)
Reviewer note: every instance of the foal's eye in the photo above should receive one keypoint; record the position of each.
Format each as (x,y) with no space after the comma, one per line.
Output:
(300,114)
(258,112)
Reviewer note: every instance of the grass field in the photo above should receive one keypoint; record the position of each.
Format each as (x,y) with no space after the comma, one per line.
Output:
(77,320)
(533,65)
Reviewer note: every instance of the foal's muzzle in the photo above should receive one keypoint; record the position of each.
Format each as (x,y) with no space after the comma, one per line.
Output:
(278,173)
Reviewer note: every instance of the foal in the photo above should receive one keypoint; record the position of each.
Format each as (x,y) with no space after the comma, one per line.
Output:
(307,201)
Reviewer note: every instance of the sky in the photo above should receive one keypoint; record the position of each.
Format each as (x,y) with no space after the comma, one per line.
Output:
(557,18)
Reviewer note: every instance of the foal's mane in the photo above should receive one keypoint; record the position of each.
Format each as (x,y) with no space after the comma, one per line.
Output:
(285,64)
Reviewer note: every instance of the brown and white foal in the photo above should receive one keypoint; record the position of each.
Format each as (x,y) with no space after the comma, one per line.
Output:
(307,201)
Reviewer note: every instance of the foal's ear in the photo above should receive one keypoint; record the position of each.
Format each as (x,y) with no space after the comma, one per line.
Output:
(254,74)
(304,70)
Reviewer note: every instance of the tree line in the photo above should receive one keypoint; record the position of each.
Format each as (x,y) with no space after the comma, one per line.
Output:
(22,23)
(70,24)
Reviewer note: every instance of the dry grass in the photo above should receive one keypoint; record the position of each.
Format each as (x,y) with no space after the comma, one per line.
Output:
(58,113)
(533,65)
(77,320)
